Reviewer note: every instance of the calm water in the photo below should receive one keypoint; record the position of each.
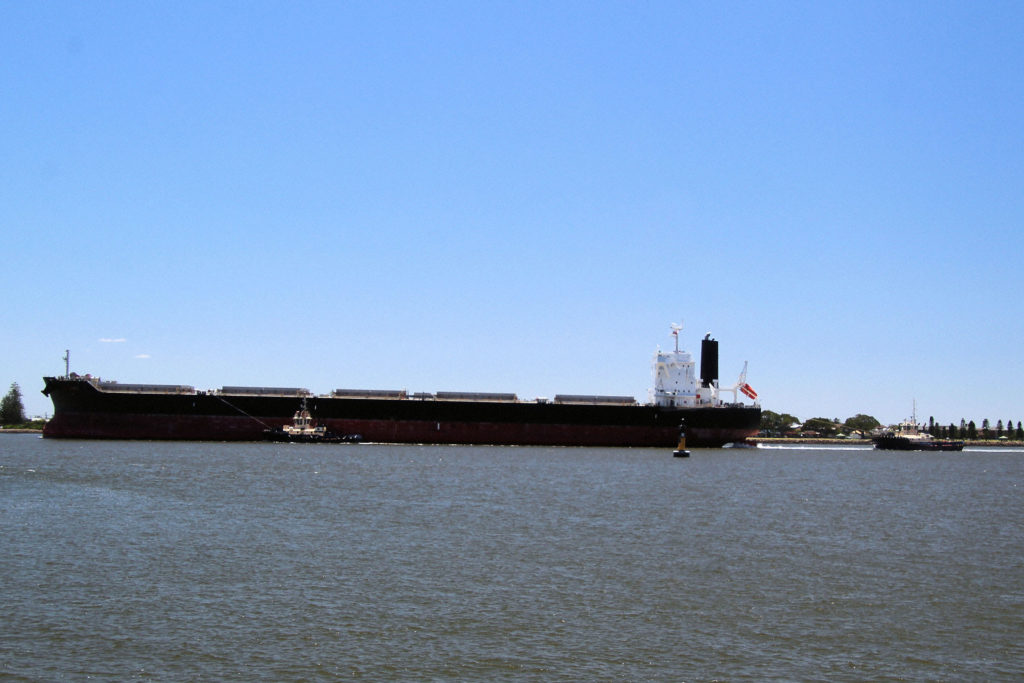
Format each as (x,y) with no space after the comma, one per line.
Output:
(246,562)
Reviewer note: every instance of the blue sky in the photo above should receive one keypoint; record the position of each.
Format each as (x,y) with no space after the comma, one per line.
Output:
(519,196)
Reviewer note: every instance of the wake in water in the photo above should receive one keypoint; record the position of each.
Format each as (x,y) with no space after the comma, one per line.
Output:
(785,447)
(988,449)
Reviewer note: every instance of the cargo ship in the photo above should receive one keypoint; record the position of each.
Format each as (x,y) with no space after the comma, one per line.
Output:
(89,407)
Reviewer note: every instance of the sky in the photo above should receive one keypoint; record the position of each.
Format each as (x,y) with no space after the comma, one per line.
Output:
(518,197)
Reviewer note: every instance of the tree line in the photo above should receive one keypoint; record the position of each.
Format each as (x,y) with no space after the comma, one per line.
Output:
(784,424)
(969,430)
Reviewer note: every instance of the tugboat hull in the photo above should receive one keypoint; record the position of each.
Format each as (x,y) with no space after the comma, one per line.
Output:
(280,436)
(899,443)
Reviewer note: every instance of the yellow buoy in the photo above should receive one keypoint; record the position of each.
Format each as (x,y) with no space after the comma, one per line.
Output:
(680,451)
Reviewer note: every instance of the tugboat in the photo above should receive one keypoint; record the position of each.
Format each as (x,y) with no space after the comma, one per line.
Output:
(304,430)
(908,437)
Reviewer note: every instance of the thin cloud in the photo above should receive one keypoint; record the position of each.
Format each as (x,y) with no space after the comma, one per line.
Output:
(111,340)
(143,355)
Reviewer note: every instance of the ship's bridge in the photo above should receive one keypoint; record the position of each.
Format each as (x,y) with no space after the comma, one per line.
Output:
(675,379)
(676,382)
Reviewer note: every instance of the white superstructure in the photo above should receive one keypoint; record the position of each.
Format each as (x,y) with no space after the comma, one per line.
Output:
(675,378)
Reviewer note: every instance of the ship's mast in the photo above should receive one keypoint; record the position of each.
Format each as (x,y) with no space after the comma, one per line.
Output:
(67,363)
(675,333)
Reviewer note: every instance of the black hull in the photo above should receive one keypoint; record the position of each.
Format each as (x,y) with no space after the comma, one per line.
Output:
(280,436)
(81,410)
(900,443)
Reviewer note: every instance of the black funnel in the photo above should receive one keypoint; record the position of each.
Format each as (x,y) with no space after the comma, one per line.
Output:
(708,361)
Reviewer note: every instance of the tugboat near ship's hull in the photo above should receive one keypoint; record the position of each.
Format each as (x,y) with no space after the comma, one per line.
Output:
(304,429)
(85,407)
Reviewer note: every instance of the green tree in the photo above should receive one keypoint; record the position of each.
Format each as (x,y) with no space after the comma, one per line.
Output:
(1020,432)
(11,409)
(821,425)
(972,430)
(776,424)
(861,423)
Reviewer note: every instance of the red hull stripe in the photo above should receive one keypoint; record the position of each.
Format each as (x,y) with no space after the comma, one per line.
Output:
(228,428)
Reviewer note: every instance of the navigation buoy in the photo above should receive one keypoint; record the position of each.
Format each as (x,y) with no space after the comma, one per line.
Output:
(680,451)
